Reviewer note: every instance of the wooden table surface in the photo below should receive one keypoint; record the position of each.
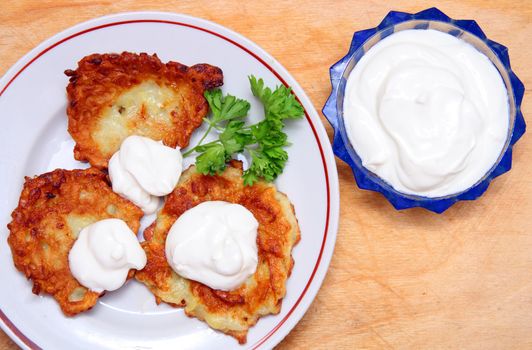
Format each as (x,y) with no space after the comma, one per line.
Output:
(397,280)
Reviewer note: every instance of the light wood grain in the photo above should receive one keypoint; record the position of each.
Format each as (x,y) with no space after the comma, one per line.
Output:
(398,280)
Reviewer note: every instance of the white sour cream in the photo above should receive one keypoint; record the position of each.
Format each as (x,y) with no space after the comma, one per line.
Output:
(144,169)
(125,184)
(214,243)
(103,254)
(426,112)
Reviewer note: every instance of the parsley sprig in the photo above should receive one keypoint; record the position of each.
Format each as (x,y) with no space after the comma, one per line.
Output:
(263,141)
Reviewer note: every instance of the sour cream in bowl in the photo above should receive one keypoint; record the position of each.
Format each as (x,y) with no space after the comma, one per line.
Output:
(425,110)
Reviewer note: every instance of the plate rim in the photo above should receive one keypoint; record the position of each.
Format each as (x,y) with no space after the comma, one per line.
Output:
(303,302)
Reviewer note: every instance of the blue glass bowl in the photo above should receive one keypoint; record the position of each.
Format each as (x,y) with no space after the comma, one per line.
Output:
(429,19)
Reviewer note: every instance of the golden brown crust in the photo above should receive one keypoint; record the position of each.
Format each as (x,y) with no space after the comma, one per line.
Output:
(235,311)
(51,210)
(101,79)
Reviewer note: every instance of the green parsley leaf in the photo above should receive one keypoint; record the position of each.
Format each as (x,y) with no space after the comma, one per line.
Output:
(267,164)
(264,141)
(268,133)
(226,107)
(223,109)
(279,104)
(234,137)
(212,159)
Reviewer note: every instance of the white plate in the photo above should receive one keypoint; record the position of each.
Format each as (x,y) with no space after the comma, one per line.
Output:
(34,140)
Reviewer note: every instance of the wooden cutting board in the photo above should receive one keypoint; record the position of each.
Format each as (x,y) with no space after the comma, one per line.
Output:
(397,280)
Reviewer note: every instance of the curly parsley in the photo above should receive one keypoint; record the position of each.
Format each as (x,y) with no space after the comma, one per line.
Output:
(263,141)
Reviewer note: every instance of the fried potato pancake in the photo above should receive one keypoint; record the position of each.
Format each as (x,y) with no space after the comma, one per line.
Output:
(232,312)
(112,96)
(52,210)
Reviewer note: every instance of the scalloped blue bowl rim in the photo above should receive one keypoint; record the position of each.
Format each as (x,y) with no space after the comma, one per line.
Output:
(365,179)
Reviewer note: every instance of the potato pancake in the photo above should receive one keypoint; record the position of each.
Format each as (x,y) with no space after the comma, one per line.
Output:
(232,312)
(52,210)
(112,96)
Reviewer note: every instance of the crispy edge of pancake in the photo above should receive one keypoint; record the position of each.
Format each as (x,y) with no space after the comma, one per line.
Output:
(232,312)
(41,236)
(100,79)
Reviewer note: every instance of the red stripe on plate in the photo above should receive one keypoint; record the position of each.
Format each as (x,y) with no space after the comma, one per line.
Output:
(17,332)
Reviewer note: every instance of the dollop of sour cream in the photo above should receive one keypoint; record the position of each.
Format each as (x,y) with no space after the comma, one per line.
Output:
(426,112)
(103,254)
(214,243)
(144,169)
